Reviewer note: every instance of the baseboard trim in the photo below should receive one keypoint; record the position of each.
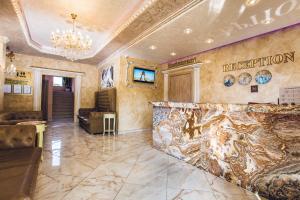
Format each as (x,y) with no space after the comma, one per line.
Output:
(134,131)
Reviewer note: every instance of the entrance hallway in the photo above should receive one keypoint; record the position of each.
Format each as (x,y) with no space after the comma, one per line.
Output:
(77,165)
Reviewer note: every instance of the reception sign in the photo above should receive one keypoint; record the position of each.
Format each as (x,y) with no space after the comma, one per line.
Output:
(260,62)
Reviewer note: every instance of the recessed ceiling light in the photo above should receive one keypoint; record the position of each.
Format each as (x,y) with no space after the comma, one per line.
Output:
(173,54)
(209,40)
(267,21)
(188,31)
(228,33)
(251,2)
(207,61)
(152,47)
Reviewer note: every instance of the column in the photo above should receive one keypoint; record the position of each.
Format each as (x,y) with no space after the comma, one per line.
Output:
(3,42)
(77,96)
(196,83)
(166,86)
(37,89)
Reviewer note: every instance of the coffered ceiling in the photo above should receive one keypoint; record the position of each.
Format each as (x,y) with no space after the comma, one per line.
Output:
(214,23)
(130,27)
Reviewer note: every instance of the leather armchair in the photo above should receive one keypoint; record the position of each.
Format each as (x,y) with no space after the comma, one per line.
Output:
(91,119)
(93,122)
(19,161)
(18,136)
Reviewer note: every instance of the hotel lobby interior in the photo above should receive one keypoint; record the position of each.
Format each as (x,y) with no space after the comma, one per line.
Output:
(150,100)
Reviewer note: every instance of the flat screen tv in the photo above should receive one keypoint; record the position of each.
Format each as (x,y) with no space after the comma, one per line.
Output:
(143,75)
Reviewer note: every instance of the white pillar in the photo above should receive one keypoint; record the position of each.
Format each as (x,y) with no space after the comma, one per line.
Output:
(166,86)
(37,89)
(196,84)
(77,96)
(3,41)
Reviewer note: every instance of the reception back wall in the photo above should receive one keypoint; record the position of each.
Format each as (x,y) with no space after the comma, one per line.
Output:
(283,74)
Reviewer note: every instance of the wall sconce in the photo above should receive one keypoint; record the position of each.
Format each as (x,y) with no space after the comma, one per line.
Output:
(10,70)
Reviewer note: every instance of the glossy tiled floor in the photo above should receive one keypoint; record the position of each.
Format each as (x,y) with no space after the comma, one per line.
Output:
(81,166)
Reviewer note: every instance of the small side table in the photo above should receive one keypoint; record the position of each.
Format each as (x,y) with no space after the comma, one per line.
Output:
(111,118)
(40,129)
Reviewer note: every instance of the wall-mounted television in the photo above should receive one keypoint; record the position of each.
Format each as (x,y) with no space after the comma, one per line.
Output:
(143,75)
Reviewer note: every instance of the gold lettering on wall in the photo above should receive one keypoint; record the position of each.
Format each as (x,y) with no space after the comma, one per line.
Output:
(260,62)
(183,62)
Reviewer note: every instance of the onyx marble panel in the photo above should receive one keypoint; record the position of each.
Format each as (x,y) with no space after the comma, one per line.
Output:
(254,146)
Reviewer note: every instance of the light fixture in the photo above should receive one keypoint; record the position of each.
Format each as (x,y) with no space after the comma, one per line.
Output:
(209,40)
(71,44)
(173,54)
(188,31)
(152,47)
(228,33)
(250,3)
(10,70)
(267,21)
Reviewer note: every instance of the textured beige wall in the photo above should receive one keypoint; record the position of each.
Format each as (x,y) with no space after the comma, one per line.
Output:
(2,67)
(135,112)
(89,83)
(284,75)
(133,108)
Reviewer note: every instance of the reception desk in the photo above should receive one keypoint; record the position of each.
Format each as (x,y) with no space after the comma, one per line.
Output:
(254,146)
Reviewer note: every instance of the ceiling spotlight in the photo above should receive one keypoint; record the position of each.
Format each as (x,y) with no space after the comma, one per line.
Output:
(209,40)
(152,47)
(188,31)
(173,54)
(250,3)
(267,21)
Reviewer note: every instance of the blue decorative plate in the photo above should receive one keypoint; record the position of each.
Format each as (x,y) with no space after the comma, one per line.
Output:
(244,78)
(263,77)
(229,80)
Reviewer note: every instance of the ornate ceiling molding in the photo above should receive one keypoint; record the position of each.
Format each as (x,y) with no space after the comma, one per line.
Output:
(51,50)
(4,39)
(187,5)
(25,29)
(153,15)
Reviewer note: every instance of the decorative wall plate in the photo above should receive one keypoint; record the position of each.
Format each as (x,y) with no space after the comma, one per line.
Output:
(263,77)
(244,78)
(229,80)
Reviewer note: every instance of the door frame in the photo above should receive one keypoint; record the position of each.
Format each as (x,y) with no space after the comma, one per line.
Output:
(38,72)
(196,88)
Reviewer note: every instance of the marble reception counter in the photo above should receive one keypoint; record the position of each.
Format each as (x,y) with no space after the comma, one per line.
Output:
(255,146)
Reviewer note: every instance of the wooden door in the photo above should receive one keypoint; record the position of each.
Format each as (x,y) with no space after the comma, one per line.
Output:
(180,87)
(45,98)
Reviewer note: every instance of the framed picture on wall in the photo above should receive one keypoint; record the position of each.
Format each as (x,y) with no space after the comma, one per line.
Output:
(17,89)
(107,77)
(7,88)
(26,89)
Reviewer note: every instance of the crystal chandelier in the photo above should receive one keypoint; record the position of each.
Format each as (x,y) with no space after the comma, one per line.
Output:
(71,44)
(10,70)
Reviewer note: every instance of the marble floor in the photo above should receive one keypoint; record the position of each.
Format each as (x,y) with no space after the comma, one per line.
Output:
(77,165)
